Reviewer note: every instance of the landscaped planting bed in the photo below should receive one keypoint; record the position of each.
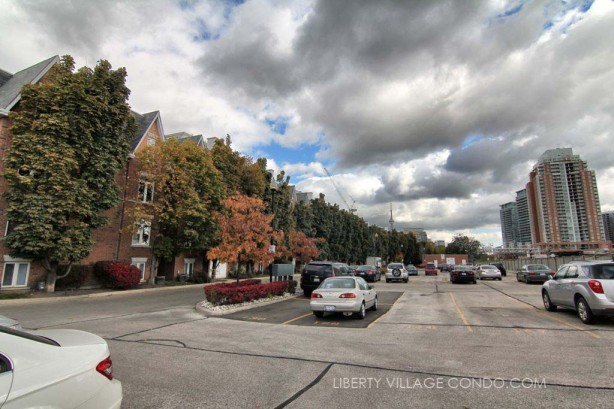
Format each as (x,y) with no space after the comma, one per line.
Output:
(245,291)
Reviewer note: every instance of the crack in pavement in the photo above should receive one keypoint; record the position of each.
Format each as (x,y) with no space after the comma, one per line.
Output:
(117,338)
(509,381)
(305,389)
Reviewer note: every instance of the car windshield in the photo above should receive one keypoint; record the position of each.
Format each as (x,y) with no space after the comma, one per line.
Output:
(538,267)
(411,267)
(604,272)
(463,268)
(395,265)
(429,265)
(489,267)
(338,283)
(365,268)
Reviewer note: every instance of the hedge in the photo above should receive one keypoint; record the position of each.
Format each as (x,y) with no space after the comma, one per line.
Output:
(231,293)
(116,274)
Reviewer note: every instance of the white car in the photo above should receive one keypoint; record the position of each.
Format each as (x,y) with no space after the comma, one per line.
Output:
(56,369)
(349,295)
(396,272)
(487,271)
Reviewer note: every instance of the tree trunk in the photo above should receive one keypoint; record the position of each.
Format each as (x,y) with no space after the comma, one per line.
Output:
(50,281)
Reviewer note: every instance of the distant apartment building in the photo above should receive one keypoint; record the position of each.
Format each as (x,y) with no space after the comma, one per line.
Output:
(608,225)
(508,213)
(564,204)
(524,220)
(418,232)
(440,243)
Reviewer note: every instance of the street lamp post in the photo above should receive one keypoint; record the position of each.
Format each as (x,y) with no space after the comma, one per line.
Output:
(273,186)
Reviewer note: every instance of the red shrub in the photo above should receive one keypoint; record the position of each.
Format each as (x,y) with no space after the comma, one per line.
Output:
(115,274)
(228,294)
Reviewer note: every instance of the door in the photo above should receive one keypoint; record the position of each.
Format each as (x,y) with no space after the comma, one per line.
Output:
(567,285)
(367,293)
(554,286)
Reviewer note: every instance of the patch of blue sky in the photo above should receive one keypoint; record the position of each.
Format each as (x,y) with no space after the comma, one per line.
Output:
(511,11)
(204,33)
(471,139)
(278,125)
(562,9)
(281,154)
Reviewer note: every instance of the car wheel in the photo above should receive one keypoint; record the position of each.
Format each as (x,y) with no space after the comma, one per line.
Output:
(362,313)
(406,280)
(526,280)
(474,281)
(584,311)
(318,314)
(499,279)
(517,277)
(374,307)
(387,280)
(547,302)
(307,293)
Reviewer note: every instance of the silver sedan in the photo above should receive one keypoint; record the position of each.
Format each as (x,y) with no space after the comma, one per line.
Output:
(348,295)
(488,271)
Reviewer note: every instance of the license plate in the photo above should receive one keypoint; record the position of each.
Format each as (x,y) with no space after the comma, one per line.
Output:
(463,274)
(329,308)
(316,279)
(543,274)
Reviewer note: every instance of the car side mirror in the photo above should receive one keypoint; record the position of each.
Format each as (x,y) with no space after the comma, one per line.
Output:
(550,277)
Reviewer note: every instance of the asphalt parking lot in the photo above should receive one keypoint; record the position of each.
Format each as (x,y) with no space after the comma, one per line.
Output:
(296,311)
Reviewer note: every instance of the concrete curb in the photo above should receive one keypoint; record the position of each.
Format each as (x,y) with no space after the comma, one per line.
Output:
(209,313)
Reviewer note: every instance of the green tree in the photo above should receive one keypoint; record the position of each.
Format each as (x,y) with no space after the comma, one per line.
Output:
(70,138)
(462,244)
(240,173)
(187,190)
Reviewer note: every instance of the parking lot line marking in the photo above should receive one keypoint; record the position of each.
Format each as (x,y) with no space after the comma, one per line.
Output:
(374,321)
(460,312)
(296,319)
(592,334)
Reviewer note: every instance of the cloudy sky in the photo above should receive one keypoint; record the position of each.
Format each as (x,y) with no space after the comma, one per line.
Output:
(438,107)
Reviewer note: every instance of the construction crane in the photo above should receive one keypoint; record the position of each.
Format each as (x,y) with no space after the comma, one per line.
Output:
(351,208)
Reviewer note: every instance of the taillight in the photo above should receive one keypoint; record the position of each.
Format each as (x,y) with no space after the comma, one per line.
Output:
(471,273)
(530,273)
(105,368)
(455,273)
(347,295)
(596,286)
(316,295)
(333,275)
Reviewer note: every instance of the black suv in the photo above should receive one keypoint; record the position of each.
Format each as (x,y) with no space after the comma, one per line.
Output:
(317,271)
(501,268)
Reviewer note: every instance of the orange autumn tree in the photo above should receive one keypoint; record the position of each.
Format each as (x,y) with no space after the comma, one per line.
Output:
(245,232)
(303,248)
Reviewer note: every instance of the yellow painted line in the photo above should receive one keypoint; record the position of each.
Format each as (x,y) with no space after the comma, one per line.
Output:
(373,323)
(297,318)
(460,312)
(592,334)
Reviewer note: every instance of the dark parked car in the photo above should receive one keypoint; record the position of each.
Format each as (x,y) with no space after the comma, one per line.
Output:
(369,273)
(317,271)
(462,273)
(534,273)
(411,270)
(501,268)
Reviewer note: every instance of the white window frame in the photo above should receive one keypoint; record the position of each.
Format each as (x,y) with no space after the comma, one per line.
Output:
(141,264)
(188,266)
(16,262)
(148,187)
(151,139)
(138,239)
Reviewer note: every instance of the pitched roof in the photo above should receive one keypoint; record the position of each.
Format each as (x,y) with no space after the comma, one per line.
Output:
(143,123)
(10,85)
(184,136)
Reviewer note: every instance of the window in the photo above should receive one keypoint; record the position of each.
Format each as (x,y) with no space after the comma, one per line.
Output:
(140,263)
(141,237)
(15,274)
(188,266)
(151,139)
(10,226)
(146,192)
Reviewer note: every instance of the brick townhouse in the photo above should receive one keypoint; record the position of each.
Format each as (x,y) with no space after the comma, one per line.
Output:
(111,242)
